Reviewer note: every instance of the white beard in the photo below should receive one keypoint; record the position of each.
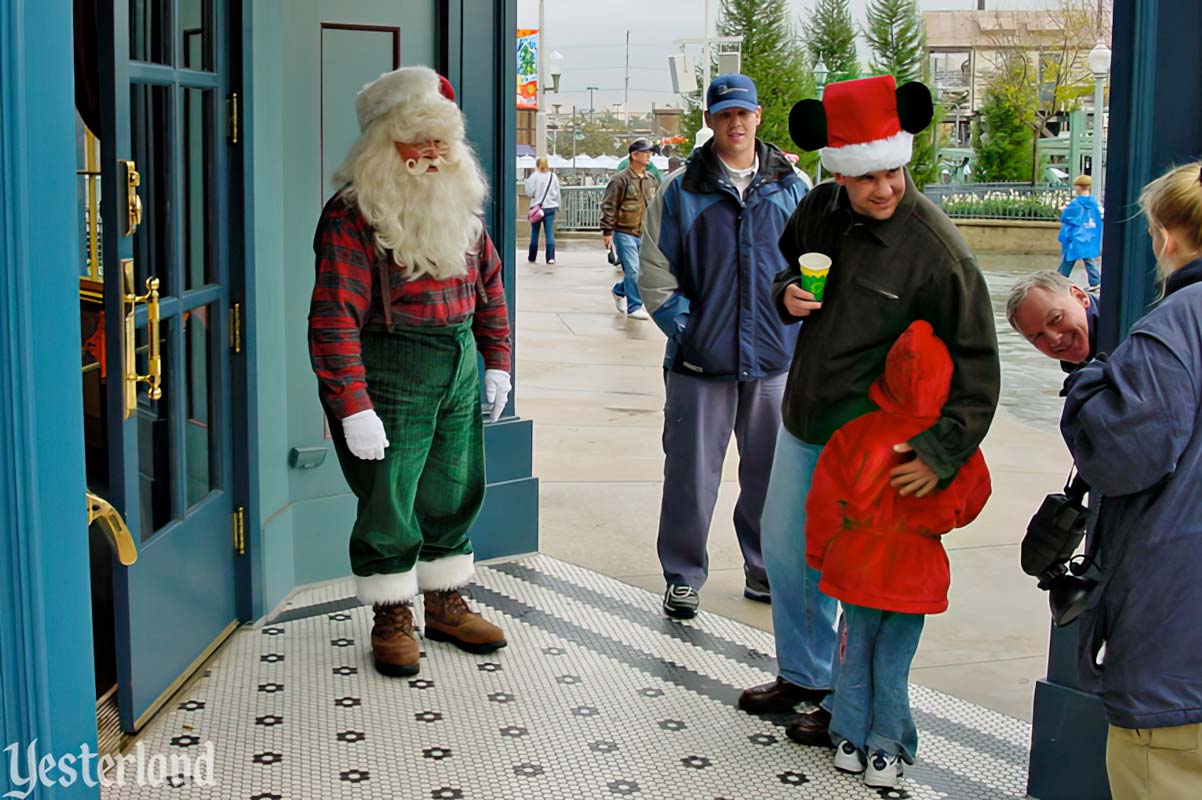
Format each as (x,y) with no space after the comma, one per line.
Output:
(429,221)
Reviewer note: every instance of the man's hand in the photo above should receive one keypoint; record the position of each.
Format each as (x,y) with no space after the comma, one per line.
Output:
(364,434)
(913,477)
(799,302)
(496,391)
(608,240)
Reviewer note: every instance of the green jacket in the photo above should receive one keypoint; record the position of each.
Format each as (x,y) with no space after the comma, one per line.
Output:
(885,275)
(625,202)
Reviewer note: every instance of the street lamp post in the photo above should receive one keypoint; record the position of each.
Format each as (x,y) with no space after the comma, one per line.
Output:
(591,89)
(821,73)
(1099,65)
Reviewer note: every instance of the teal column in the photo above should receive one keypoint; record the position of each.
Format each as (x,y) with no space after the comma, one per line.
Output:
(1148,70)
(476,53)
(46,675)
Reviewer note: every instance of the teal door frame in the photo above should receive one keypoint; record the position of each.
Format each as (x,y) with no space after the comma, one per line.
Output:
(46,674)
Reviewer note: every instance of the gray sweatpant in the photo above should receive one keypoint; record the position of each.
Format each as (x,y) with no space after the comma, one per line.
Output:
(699,416)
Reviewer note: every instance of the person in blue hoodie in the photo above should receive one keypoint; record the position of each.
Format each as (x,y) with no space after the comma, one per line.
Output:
(1081,233)
(1133,425)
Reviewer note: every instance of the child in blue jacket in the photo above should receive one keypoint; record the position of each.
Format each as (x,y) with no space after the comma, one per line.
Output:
(1081,233)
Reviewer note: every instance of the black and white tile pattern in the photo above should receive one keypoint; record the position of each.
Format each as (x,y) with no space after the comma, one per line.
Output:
(598,695)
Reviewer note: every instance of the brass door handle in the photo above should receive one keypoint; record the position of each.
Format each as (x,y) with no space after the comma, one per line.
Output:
(115,529)
(154,363)
(133,214)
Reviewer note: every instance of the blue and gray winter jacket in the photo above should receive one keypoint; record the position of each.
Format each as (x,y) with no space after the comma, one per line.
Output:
(1134,426)
(707,260)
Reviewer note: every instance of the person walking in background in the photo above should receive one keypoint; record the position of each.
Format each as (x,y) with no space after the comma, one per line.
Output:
(1081,233)
(880,554)
(626,198)
(709,255)
(542,187)
(1132,425)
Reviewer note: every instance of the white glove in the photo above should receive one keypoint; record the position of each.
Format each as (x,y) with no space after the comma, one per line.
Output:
(364,433)
(496,391)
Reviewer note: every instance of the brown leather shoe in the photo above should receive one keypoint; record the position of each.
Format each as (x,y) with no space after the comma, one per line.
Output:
(778,697)
(811,729)
(393,647)
(448,619)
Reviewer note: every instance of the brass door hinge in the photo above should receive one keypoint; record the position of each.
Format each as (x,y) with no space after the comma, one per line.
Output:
(240,531)
(236,327)
(231,107)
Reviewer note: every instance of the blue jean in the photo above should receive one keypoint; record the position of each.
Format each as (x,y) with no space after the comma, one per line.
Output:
(627,247)
(803,619)
(548,222)
(871,704)
(1092,273)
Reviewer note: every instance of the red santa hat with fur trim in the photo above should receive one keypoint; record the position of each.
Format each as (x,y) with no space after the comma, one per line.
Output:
(417,102)
(864,125)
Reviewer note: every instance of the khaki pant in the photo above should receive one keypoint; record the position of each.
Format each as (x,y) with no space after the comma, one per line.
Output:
(1155,763)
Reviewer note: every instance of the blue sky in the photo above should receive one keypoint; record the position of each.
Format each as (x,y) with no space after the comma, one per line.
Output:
(591,35)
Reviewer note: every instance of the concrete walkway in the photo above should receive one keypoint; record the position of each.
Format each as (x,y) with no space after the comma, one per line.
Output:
(592,382)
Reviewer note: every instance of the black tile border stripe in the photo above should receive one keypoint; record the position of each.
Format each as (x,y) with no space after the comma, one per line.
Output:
(981,741)
(941,780)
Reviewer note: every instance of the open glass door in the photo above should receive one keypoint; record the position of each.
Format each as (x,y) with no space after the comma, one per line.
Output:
(164,278)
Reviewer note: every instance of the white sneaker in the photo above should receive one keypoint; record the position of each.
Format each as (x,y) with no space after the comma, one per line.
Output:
(883,771)
(619,303)
(848,758)
(639,313)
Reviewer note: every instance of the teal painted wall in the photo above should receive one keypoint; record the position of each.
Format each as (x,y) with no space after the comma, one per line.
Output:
(301,83)
(46,681)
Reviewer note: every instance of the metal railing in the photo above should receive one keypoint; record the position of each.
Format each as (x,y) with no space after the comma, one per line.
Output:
(579,208)
(1019,201)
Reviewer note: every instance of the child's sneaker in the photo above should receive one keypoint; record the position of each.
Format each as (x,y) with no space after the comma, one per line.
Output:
(848,758)
(884,771)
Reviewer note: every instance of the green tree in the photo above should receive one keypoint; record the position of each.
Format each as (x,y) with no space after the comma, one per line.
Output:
(897,37)
(772,58)
(1003,138)
(830,34)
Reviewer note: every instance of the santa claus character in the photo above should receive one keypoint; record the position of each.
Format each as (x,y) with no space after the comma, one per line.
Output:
(408,292)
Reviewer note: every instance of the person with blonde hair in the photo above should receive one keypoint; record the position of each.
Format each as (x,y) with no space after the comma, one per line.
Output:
(542,187)
(1133,426)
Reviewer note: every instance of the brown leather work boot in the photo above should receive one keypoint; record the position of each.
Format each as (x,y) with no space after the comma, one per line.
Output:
(393,647)
(448,619)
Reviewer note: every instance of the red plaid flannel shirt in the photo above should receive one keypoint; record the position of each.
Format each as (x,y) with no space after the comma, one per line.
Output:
(347,299)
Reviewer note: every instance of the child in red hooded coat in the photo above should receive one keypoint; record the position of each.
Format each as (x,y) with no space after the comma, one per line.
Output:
(880,554)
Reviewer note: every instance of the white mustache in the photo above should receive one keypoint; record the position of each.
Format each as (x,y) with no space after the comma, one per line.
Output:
(420,166)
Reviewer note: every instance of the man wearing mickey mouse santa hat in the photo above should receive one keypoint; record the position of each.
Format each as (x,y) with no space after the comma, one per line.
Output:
(896,258)
(408,292)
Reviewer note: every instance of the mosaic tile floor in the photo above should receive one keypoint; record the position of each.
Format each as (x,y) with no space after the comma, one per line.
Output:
(598,695)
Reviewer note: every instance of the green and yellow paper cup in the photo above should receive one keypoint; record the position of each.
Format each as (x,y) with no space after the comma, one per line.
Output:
(814,269)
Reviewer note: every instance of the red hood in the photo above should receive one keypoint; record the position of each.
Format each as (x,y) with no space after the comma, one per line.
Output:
(918,374)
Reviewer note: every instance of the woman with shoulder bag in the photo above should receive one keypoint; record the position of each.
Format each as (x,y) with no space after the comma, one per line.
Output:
(542,187)
(1134,427)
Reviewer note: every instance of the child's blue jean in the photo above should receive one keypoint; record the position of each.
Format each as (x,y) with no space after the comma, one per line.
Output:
(871,704)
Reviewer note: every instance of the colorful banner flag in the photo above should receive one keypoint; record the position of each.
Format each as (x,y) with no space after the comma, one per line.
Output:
(527,52)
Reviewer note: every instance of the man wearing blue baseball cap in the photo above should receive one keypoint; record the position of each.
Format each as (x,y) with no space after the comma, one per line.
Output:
(708,256)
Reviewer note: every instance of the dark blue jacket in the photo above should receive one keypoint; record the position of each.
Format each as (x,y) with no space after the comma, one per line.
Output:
(706,263)
(1093,312)
(1132,423)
